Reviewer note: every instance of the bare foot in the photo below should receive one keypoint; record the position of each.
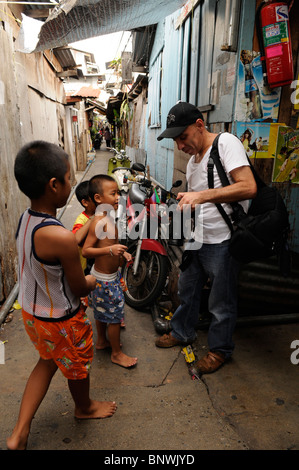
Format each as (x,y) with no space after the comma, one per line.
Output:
(98,410)
(103,344)
(123,360)
(17,441)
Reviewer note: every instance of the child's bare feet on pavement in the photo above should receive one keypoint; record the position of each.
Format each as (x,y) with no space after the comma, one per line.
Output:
(103,344)
(98,410)
(123,360)
(17,441)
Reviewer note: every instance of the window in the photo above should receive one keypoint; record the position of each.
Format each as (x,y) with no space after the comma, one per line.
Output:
(154,90)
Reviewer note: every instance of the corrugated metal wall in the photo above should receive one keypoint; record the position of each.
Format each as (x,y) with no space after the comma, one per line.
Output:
(168,44)
(32,100)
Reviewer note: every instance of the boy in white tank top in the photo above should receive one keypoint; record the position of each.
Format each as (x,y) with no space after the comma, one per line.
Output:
(51,282)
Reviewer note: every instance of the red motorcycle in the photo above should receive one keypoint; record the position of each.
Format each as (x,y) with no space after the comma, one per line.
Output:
(145,276)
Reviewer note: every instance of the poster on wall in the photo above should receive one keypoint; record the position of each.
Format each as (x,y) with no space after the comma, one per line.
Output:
(295,95)
(286,162)
(255,138)
(255,101)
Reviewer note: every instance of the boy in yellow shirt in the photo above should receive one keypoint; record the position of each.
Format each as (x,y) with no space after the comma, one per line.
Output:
(82,223)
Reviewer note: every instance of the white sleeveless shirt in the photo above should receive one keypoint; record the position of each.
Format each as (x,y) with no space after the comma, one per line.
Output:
(43,288)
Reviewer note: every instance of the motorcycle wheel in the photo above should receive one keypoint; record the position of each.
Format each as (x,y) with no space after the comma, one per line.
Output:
(144,288)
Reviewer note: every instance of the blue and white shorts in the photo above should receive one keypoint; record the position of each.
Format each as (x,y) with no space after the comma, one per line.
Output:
(107,299)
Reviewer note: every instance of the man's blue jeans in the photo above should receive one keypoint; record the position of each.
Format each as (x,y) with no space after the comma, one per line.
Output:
(211,262)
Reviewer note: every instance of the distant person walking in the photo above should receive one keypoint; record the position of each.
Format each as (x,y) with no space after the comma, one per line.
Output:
(107,137)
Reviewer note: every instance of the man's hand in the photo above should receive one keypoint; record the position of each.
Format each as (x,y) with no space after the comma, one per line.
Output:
(191,198)
(243,187)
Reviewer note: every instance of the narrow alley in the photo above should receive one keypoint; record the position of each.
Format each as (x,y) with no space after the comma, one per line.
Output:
(250,403)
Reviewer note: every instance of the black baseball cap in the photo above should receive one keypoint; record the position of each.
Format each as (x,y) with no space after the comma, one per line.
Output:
(179,118)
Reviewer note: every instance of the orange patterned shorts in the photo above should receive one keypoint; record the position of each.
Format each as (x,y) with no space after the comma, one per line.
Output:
(68,343)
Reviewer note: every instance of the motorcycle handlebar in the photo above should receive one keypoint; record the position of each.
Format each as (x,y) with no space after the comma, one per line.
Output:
(147,183)
(122,153)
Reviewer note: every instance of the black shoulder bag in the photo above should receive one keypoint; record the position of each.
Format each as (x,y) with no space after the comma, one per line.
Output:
(263,231)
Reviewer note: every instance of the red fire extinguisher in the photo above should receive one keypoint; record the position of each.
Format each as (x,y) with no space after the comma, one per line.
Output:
(275,42)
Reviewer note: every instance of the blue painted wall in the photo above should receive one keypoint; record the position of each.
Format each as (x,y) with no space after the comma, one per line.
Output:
(160,155)
(195,69)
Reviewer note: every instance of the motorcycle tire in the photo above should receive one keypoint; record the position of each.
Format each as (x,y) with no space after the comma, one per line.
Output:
(144,288)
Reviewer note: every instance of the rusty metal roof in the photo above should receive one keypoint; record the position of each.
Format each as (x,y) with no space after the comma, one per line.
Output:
(87,92)
(74,20)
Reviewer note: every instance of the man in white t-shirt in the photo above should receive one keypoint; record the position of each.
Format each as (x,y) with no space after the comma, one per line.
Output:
(211,259)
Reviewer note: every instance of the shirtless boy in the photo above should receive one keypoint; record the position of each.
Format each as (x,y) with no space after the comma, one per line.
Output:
(107,299)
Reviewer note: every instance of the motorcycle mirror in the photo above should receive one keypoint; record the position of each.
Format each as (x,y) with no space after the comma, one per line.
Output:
(138,167)
(177,183)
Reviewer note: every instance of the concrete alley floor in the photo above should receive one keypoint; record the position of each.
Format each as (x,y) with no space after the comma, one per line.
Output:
(250,403)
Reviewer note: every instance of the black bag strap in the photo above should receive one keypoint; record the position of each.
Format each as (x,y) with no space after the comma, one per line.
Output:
(214,159)
(211,185)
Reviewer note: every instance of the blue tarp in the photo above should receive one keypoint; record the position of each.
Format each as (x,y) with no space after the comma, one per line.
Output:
(74,20)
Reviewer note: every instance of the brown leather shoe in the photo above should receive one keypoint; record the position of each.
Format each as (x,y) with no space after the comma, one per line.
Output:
(210,362)
(168,341)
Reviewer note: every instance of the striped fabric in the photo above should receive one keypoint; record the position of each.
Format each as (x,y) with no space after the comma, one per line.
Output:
(43,289)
